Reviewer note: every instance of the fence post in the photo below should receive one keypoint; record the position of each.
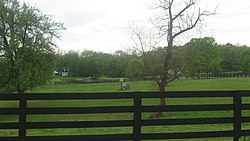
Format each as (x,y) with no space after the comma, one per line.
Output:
(237,115)
(137,117)
(22,116)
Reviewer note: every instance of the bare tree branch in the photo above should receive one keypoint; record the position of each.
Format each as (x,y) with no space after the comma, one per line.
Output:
(193,23)
(162,4)
(191,2)
(138,33)
(174,78)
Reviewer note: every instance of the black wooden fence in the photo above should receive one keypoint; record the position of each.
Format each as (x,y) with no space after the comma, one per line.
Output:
(136,123)
(221,75)
(70,82)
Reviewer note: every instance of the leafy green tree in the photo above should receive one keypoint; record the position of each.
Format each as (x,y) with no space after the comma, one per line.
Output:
(93,63)
(202,56)
(135,68)
(116,66)
(122,58)
(27,46)
(230,57)
(245,61)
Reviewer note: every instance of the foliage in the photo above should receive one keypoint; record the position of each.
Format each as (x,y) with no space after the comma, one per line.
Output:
(26,45)
(135,68)
(245,61)
(231,57)
(89,63)
(202,56)
(199,55)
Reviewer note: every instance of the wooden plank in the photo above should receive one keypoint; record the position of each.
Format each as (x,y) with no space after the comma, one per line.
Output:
(245,106)
(22,116)
(79,96)
(127,95)
(9,125)
(9,111)
(137,118)
(178,108)
(111,137)
(81,110)
(237,116)
(245,132)
(243,93)
(79,124)
(187,135)
(187,94)
(245,119)
(187,121)
(9,97)
(9,139)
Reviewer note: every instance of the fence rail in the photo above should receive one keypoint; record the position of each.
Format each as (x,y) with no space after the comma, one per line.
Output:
(136,123)
(222,75)
(87,81)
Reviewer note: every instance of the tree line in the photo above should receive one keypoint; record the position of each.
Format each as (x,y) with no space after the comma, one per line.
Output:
(198,56)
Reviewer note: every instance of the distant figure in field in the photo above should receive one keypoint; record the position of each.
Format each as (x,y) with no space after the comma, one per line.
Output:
(125,86)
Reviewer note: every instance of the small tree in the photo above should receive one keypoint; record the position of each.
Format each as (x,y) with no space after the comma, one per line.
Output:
(26,45)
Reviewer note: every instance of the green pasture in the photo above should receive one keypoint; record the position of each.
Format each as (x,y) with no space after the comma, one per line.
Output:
(179,85)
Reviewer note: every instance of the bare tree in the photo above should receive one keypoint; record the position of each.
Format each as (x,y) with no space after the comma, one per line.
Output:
(179,17)
(142,38)
(143,42)
(174,22)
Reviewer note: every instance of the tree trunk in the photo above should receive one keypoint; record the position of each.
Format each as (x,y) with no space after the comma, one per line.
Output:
(162,101)
(158,114)
(162,83)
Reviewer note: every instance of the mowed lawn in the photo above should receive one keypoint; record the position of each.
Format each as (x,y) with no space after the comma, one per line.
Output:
(178,85)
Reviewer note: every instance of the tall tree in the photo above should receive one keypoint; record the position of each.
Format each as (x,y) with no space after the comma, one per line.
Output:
(27,46)
(230,57)
(245,61)
(202,55)
(174,22)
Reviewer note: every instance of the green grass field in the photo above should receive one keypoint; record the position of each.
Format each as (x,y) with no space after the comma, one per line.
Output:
(179,85)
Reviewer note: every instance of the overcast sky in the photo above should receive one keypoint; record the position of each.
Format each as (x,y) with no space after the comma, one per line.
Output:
(102,25)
